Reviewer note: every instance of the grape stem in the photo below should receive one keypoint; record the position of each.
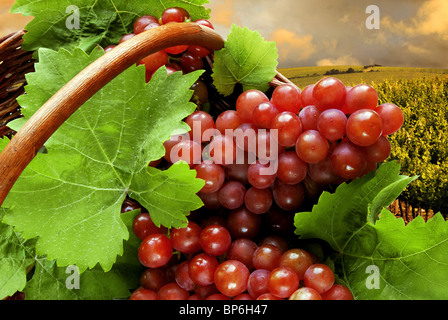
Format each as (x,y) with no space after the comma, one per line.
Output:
(40,127)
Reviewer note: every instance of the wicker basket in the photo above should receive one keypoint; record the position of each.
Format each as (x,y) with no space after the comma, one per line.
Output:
(15,63)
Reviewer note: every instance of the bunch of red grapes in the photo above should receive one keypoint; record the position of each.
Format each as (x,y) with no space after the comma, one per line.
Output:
(179,58)
(261,161)
(322,136)
(204,262)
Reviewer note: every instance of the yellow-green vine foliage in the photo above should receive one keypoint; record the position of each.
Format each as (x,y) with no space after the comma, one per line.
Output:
(421,145)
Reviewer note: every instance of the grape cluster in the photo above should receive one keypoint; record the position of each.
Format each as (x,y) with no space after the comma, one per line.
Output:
(264,153)
(179,58)
(261,160)
(203,261)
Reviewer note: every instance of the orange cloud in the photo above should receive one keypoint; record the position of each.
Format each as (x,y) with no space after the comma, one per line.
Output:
(347,60)
(292,46)
(222,13)
(430,19)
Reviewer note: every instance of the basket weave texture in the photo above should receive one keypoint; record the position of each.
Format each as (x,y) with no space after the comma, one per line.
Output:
(15,63)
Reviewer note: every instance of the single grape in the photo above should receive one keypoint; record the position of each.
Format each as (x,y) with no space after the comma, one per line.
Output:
(289,127)
(257,284)
(268,296)
(172,291)
(379,151)
(205,291)
(213,175)
(332,124)
(169,145)
(231,278)
(287,97)
(322,172)
(129,205)
(109,48)
(182,276)
(258,201)
(312,147)
(307,96)
(215,240)
(191,62)
(231,195)
(277,241)
(246,137)
(143,294)
(338,292)
(202,269)
(199,122)
(141,23)
(267,257)
(188,151)
(155,251)
(126,37)
(242,249)
(283,281)
(143,226)
(222,150)
(242,223)
(392,117)
(261,175)
(288,197)
(153,279)
(204,23)
(247,102)
(305,293)
(348,160)
(291,169)
(186,240)
(319,277)
(264,113)
(228,120)
(201,52)
(176,50)
(309,117)
(298,260)
(175,14)
(361,96)
(364,127)
(330,93)
(154,61)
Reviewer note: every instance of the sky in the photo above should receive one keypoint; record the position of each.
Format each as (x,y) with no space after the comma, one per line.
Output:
(412,33)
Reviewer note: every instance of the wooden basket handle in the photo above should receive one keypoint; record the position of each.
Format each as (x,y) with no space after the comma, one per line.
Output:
(24,146)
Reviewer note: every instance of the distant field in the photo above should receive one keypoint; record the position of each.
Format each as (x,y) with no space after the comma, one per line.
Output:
(304,76)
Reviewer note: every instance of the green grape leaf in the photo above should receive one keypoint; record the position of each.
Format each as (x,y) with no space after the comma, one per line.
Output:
(16,256)
(50,282)
(88,23)
(380,258)
(70,197)
(246,59)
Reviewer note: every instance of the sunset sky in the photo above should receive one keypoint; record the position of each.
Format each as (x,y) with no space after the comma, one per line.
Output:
(412,33)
